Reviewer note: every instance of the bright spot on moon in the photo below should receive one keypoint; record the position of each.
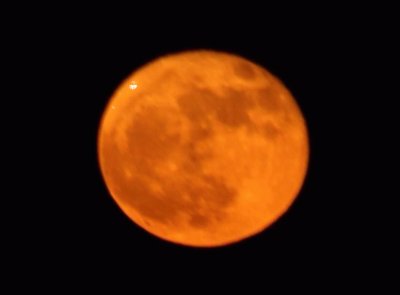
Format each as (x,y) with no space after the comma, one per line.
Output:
(133,85)
(209,150)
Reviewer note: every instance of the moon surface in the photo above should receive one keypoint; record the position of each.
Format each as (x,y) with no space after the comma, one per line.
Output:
(203,148)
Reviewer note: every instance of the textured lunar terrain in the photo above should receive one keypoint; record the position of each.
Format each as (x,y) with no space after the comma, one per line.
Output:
(206,149)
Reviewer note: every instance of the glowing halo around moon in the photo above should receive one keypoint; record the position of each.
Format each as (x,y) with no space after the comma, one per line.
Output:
(203,148)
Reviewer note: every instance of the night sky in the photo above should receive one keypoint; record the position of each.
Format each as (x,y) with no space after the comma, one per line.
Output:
(78,224)
(99,222)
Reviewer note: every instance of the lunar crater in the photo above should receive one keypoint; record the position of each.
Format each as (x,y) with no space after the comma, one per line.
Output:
(244,70)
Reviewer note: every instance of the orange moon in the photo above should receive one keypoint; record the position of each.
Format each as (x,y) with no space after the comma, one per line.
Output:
(203,148)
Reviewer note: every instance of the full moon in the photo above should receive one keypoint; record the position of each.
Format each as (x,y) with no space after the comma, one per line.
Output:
(203,148)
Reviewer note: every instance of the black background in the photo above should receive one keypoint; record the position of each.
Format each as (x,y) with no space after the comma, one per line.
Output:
(73,223)
(306,230)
